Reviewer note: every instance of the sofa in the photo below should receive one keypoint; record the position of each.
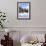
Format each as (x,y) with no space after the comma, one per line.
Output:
(32,40)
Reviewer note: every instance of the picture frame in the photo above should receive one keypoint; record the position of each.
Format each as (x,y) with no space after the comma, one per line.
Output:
(23,10)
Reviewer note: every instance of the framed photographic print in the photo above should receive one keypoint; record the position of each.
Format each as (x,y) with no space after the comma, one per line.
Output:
(23,10)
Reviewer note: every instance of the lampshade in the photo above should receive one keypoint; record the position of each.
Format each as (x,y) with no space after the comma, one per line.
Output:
(7,30)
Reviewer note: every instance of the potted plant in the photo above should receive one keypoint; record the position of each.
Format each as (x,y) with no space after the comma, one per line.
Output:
(2,19)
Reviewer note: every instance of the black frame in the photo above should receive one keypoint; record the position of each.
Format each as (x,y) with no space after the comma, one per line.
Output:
(29,11)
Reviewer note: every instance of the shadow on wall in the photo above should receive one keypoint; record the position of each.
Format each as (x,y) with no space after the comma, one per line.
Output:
(16,43)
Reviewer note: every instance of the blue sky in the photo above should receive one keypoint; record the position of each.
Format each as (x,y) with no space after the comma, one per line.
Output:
(23,5)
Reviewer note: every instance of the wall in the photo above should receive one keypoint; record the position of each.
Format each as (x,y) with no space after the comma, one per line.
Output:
(38,13)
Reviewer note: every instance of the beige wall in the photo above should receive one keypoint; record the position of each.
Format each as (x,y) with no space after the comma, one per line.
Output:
(38,13)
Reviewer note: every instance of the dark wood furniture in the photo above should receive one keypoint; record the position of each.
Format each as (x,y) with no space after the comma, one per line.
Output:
(44,44)
(8,41)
